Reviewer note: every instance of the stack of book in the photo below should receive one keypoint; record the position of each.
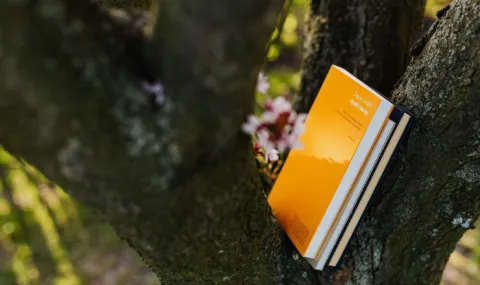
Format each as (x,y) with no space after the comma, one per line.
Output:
(351,134)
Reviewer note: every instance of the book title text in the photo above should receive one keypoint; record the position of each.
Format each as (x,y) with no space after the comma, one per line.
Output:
(360,103)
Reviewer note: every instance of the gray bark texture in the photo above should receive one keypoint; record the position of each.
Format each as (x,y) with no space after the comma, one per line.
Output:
(178,181)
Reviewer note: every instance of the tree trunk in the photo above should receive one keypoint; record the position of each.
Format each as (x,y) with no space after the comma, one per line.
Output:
(72,105)
(369,38)
(409,231)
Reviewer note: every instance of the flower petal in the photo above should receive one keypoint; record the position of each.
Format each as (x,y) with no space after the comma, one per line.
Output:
(262,83)
(281,105)
(271,155)
(264,139)
(269,117)
(251,126)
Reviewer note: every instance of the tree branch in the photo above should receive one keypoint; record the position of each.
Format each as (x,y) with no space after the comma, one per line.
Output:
(73,106)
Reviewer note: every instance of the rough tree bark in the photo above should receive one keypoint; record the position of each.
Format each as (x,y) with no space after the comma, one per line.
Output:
(369,38)
(408,234)
(72,105)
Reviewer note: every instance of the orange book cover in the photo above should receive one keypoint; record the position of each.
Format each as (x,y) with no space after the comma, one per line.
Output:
(307,194)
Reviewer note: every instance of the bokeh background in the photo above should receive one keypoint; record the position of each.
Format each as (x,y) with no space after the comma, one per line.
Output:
(46,238)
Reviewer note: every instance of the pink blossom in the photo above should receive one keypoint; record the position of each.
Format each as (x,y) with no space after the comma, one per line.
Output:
(251,126)
(269,117)
(271,155)
(299,124)
(275,108)
(283,143)
(292,117)
(264,140)
(293,143)
(278,105)
(262,83)
(277,129)
(297,130)
(281,105)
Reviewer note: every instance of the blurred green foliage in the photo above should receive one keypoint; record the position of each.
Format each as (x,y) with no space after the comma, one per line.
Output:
(292,28)
(46,238)
(433,6)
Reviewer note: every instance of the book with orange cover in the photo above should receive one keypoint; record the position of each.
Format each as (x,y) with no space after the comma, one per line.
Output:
(341,129)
